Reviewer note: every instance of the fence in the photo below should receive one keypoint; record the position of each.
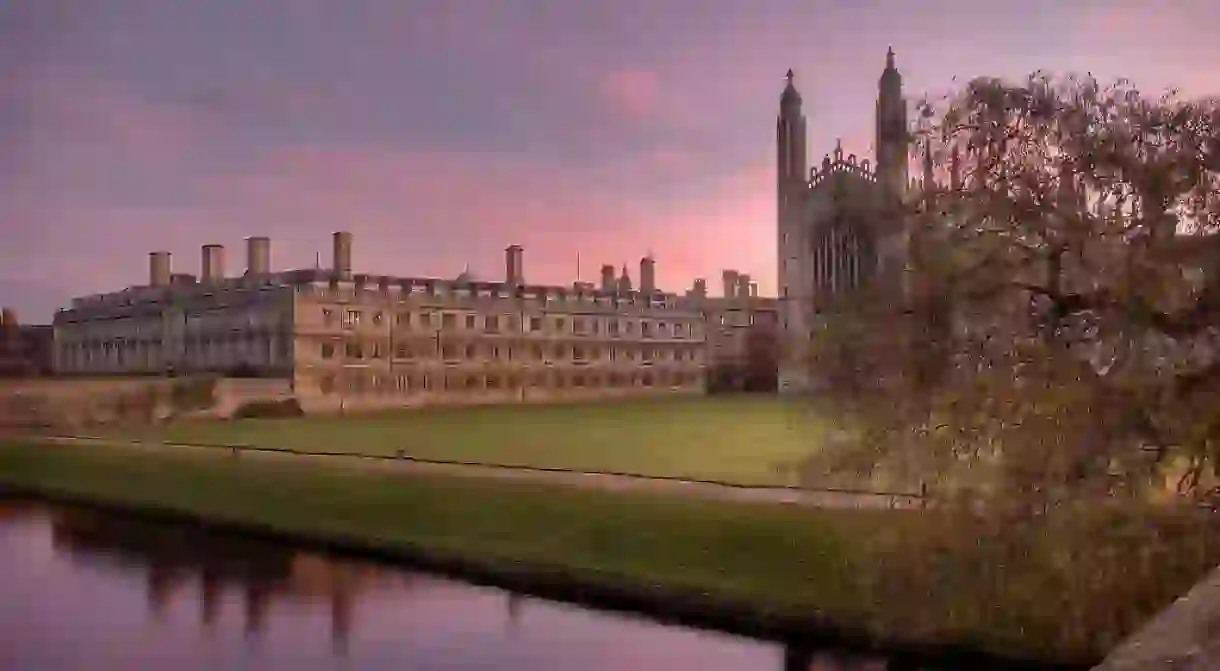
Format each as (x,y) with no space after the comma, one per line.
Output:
(823,496)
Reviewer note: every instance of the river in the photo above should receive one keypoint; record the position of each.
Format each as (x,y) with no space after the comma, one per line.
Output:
(85,589)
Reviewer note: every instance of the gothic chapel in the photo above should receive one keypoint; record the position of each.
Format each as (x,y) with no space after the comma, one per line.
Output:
(840,224)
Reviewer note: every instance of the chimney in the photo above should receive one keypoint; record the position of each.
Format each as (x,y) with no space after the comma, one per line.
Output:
(743,286)
(648,276)
(514,271)
(213,264)
(258,255)
(624,282)
(700,288)
(158,269)
(608,278)
(753,289)
(730,283)
(343,254)
(8,317)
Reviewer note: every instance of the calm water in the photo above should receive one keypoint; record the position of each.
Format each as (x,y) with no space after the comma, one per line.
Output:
(81,589)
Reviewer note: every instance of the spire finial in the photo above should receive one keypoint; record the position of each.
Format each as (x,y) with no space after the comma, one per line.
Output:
(790,76)
(889,58)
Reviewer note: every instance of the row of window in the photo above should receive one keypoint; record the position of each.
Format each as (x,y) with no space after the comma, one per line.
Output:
(382,290)
(449,321)
(459,382)
(537,352)
(134,352)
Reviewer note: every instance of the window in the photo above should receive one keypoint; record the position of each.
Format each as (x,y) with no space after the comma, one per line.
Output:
(400,351)
(471,352)
(351,319)
(403,319)
(353,351)
(327,384)
(561,325)
(630,327)
(535,324)
(377,353)
(448,321)
(513,324)
(470,323)
(328,351)
(578,353)
(495,352)
(613,327)
(378,318)
(328,317)
(491,324)
(425,319)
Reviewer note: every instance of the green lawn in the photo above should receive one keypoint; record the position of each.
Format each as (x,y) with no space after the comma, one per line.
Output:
(738,439)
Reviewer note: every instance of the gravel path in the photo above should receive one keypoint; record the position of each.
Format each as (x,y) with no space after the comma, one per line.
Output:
(1184,637)
(609,482)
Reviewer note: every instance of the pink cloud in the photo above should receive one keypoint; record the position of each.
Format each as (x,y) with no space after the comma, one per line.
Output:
(633,93)
(415,213)
(412,212)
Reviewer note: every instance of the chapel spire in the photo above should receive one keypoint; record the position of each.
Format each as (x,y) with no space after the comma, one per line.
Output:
(891,133)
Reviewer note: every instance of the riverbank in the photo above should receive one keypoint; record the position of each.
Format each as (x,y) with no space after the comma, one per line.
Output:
(770,571)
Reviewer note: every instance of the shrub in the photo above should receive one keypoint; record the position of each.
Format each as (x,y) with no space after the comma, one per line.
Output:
(269,409)
(193,393)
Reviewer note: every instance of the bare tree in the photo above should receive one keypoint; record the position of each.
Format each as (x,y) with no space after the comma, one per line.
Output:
(1058,329)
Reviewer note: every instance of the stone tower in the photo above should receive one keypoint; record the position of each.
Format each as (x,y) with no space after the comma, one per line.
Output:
(891,135)
(791,178)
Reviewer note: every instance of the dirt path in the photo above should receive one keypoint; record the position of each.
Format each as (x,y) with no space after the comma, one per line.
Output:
(608,482)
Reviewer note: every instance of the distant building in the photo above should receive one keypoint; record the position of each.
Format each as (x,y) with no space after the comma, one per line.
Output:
(353,340)
(25,349)
(742,336)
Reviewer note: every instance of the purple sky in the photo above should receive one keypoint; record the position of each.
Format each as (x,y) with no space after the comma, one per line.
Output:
(441,132)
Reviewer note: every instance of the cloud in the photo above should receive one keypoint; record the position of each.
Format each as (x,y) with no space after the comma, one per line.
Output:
(431,213)
(632,93)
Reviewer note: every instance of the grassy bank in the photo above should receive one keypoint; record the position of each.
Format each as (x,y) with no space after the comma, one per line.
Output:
(759,568)
(742,439)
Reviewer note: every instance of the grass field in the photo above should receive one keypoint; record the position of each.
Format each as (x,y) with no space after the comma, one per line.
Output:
(737,439)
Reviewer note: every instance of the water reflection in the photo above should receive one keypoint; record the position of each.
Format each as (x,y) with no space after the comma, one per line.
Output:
(87,589)
(178,556)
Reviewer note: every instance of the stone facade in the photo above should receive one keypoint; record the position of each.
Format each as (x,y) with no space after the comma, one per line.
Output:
(840,224)
(25,349)
(348,341)
(742,335)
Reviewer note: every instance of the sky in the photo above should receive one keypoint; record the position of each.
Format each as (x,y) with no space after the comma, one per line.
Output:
(440,132)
